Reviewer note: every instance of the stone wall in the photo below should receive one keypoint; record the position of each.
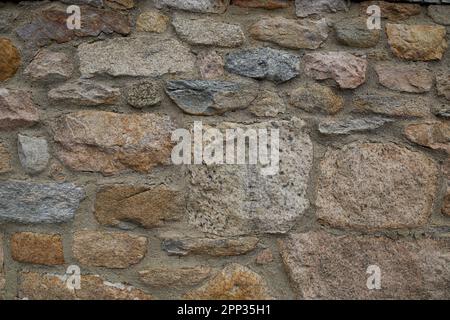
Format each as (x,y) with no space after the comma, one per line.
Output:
(86,177)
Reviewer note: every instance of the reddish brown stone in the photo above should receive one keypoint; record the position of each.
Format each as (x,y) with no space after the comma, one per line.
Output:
(9,59)
(406,78)
(38,248)
(434,135)
(16,109)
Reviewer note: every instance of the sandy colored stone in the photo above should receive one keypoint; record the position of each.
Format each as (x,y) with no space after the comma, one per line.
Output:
(316,98)
(210,64)
(405,78)
(33,153)
(291,33)
(44,286)
(145,206)
(84,93)
(17,109)
(110,142)
(434,135)
(120,4)
(264,4)
(174,277)
(9,59)
(324,266)
(393,11)
(152,21)
(50,66)
(446,204)
(375,186)
(264,257)
(417,42)
(443,84)
(267,104)
(5,159)
(234,282)
(108,249)
(37,248)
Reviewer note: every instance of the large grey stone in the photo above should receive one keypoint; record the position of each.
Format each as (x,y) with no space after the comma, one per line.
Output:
(27,202)
(263,63)
(201,6)
(209,97)
(351,124)
(304,8)
(440,14)
(354,33)
(146,56)
(94,3)
(33,153)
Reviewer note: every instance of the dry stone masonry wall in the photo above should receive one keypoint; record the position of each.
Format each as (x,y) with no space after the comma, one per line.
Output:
(86,123)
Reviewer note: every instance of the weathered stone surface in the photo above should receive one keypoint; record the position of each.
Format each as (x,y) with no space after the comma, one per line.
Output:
(201,6)
(264,257)
(37,248)
(84,93)
(94,3)
(405,78)
(263,63)
(108,249)
(6,20)
(210,97)
(304,8)
(10,59)
(348,125)
(434,135)
(354,33)
(375,186)
(179,245)
(210,64)
(51,25)
(162,277)
(441,110)
(16,109)
(208,32)
(152,21)
(36,286)
(391,104)
(410,269)
(446,203)
(443,84)
(234,282)
(267,104)
(145,206)
(33,153)
(232,200)
(348,70)
(5,159)
(417,42)
(50,66)
(2,275)
(440,14)
(109,142)
(120,4)
(291,33)
(316,98)
(146,93)
(264,4)
(393,11)
(28,202)
(146,56)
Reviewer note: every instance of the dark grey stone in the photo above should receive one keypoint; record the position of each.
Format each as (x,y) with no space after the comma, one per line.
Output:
(347,126)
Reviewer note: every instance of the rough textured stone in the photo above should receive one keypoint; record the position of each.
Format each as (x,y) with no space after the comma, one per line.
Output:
(304,8)
(201,6)
(9,59)
(162,277)
(108,249)
(446,204)
(33,153)
(17,109)
(263,63)
(264,4)
(291,33)
(348,125)
(94,3)
(5,159)
(208,32)
(28,202)
(267,104)
(434,135)
(210,97)
(2,275)
(440,14)
(393,11)
(6,20)
(348,70)
(264,257)
(146,93)
(234,282)
(36,286)
(354,33)
(109,142)
(441,110)
(406,78)
(410,269)
(242,199)
(146,56)
(316,98)
(375,186)
(148,207)
(179,245)
(51,25)
(443,84)
(152,21)
(84,93)
(120,4)
(417,42)
(210,64)
(50,66)
(37,248)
